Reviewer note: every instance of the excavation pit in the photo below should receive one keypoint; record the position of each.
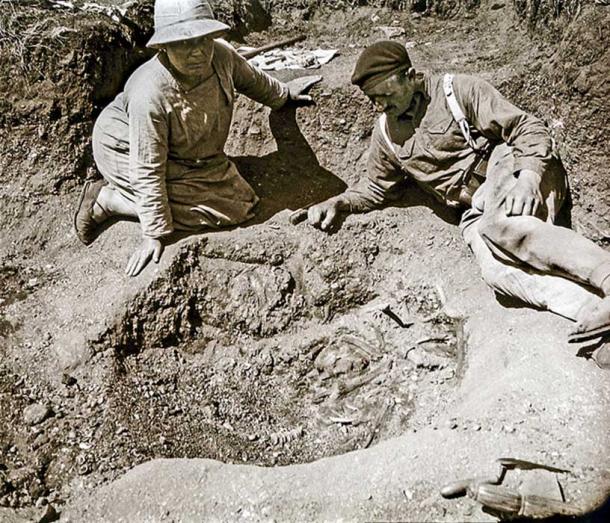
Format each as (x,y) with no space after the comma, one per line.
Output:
(295,398)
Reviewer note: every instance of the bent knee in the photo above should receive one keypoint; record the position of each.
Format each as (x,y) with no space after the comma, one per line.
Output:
(495,230)
(510,232)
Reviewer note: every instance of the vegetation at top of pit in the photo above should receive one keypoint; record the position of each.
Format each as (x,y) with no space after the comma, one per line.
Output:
(544,12)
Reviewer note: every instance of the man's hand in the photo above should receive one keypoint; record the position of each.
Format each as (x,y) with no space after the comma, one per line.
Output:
(525,197)
(324,215)
(298,87)
(149,248)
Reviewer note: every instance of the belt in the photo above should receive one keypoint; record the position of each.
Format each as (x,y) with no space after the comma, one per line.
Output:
(475,176)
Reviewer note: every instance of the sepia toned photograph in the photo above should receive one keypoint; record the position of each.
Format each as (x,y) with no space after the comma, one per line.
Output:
(304,261)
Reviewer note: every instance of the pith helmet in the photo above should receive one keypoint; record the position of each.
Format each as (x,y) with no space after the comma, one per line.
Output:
(177,20)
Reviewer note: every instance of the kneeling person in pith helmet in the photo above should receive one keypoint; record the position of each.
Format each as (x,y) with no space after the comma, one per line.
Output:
(463,142)
(160,144)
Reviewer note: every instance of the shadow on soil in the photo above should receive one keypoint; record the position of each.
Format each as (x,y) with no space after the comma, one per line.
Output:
(291,177)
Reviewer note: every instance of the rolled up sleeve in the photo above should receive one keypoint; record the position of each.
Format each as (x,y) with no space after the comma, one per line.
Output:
(498,119)
(148,149)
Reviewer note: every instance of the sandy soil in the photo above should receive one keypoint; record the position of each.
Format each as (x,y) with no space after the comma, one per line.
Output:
(254,374)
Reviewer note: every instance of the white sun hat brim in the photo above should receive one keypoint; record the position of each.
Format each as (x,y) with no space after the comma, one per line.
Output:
(186,30)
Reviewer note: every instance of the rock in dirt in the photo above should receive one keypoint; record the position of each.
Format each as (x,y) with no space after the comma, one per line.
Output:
(48,515)
(391,32)
(36,413)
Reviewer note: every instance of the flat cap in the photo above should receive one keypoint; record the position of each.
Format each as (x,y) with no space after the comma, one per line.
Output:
(378,62)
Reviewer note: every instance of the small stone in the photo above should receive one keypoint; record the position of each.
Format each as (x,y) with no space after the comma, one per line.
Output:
(68,380)
(509,429)
(36,413)
(41,439)
(49,515)
(392,31)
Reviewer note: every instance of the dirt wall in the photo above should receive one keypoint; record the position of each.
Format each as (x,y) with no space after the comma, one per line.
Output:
(568,87)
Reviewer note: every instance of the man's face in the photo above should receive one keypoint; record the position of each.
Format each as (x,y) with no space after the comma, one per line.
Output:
(191,57)
(394,95)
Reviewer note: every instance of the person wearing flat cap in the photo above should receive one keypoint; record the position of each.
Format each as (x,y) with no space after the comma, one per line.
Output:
(159,144)
(460,140)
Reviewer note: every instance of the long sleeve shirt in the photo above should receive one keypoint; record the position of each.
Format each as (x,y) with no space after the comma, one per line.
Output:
(435,153)
(170,132)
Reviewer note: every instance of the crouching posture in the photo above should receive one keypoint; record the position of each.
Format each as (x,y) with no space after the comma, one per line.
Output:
(460,140)
(159,144)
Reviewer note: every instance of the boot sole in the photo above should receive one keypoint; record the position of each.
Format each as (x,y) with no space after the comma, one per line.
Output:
(589,335)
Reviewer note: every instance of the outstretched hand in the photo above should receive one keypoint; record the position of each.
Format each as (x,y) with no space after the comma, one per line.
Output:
(525,197)
(149,248)
(299,86)
(324,215)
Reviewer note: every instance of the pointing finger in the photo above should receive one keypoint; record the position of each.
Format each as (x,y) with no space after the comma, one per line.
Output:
(157,253)
(329,218)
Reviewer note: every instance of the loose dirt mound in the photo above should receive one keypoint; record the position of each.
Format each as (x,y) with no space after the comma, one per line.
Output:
(269,344)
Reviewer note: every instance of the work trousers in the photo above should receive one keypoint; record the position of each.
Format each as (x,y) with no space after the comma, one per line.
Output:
(529,257)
